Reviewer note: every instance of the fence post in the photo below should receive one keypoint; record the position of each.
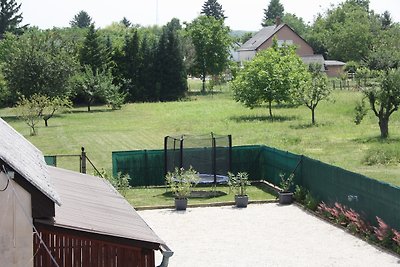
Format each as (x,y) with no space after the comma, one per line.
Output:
(83,160)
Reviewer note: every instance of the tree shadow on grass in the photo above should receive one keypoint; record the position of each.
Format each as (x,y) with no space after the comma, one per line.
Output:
(251,118)
(199,93)
(80,111)
(10,118)
(376,140)
(308,125)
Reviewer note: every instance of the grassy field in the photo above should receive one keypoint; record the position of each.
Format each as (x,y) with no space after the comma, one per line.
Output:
(144,197)
(335,140)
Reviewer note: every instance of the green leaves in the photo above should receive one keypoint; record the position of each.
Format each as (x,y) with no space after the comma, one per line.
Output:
(273,75)
(211,41)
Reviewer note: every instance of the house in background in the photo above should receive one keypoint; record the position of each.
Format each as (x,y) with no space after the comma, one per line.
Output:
(334,68)
(286,35)
(53,215)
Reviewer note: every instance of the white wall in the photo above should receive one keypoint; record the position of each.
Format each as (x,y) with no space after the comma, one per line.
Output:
(16,238)
(246,55)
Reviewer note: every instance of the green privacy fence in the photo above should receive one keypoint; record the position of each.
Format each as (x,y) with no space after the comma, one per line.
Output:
(145,167)
(327,183)
(367,196)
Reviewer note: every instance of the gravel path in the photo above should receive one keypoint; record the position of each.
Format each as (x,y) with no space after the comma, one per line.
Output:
(260,235)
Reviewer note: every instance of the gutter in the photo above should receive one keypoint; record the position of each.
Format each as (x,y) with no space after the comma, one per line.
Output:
(167,253)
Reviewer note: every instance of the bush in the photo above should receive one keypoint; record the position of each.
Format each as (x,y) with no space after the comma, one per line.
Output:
(300,194)
(120,183)
(311,202)
(383,155)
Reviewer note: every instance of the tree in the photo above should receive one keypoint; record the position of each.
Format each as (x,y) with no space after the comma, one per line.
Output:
(275,9)
(345,32)
(38,62)
(93,52)
(10,18)
(37,107)
(386,20)
(128,63)
(98,85)
(53,105)
(126,22)
(384,99)
(171,74)
(211,41)
(296,23)
(274,74)
(81,20)
(212,8)
(29,111)
(315,90)
(385,50)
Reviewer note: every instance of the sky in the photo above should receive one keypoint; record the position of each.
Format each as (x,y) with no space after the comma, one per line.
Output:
(242,15)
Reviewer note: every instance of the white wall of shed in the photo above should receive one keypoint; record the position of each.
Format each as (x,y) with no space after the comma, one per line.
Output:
(16,235)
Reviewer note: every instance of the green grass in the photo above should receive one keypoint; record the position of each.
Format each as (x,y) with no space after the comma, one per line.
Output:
(335,140)
(157,196)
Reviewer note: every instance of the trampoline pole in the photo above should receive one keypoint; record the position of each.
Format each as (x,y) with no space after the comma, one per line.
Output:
(230,153)
(214,160)
(165,156)
(181,153)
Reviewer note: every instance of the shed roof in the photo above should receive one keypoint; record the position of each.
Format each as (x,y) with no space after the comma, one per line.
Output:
(334,63)
(260,37)
(26,159)
(92,205)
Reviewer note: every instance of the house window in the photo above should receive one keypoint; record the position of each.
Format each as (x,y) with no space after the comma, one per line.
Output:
(281,42)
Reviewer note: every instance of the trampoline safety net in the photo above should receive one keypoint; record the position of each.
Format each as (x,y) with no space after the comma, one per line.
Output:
(210,155)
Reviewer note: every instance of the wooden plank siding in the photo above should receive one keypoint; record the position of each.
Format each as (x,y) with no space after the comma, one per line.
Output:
(71,250)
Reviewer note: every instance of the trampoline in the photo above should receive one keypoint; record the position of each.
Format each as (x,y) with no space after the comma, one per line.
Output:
(210,155)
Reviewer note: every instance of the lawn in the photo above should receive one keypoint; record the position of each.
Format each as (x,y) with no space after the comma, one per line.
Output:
(335,140)
(159,196)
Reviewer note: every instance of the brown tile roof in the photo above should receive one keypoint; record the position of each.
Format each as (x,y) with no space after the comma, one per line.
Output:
(260,37)
(91,204)
(26,160)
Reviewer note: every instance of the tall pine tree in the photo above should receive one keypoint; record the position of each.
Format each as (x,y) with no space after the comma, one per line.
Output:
(275,9)
(81,20)
(92,52)
(127,67)
(212,8)
(10,18)
(147,71)
(171,74)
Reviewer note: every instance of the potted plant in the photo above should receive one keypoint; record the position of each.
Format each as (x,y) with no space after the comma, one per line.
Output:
(285,195)
(238,184)
(181,182)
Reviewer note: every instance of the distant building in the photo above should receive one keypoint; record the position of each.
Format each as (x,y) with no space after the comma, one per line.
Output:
(286,35)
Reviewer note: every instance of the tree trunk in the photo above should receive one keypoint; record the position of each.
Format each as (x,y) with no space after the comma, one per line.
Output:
(203,88)
(270,109)
(88,107)
(384,127)
(45,122)
(313,116)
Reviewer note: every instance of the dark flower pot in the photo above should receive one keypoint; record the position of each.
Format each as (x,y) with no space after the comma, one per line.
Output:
(181,203)
(285,198)
(241,201)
